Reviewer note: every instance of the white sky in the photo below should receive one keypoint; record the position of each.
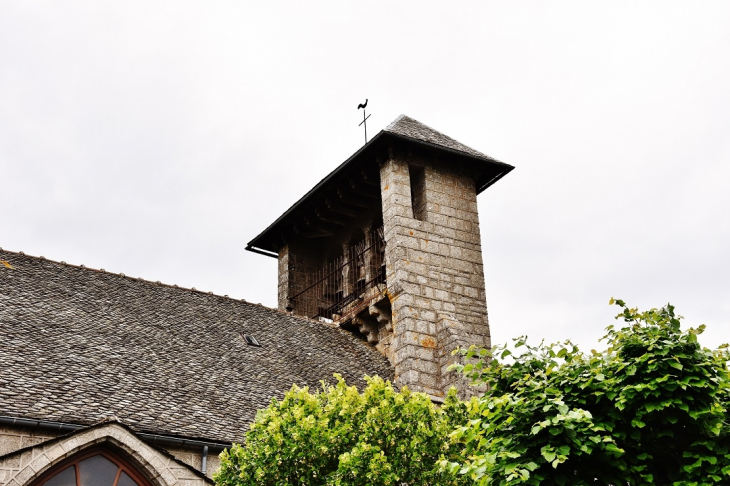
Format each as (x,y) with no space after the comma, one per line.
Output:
(157,138)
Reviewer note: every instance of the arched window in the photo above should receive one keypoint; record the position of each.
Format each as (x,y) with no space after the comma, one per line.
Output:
(99,467)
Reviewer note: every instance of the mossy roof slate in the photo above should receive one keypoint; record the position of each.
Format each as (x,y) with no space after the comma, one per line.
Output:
(79,345)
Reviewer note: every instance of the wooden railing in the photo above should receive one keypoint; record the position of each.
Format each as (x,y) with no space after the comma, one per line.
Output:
(344,281)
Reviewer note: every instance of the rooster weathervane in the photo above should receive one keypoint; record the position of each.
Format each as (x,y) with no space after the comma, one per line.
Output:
(364,118)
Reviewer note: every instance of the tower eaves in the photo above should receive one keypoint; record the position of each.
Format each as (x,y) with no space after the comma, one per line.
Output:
(403,130)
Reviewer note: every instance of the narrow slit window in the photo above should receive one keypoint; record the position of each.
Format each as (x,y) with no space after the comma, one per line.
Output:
(418,192)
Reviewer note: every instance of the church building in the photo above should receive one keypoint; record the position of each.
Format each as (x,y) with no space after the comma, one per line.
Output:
(111,380)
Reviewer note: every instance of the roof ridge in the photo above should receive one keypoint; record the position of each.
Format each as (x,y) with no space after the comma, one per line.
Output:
(158,283)
(137,279)
(399,118)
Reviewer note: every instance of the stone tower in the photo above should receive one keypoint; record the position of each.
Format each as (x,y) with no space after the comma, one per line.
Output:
(388,247)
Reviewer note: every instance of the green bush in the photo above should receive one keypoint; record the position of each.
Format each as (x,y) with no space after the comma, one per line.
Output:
(651,409)
(338,436)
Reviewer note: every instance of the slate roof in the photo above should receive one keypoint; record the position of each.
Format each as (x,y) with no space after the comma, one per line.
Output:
(410,128)
(78,345)
(402,129)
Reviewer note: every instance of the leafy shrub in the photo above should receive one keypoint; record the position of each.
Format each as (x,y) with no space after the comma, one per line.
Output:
(338,436)
(651,409)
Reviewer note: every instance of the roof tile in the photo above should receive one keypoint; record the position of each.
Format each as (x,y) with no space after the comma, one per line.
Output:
(81,344)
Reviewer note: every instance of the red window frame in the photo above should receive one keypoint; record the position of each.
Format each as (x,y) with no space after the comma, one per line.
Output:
(119,460)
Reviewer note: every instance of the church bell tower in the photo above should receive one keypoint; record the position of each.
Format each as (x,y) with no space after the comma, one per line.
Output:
(388,247)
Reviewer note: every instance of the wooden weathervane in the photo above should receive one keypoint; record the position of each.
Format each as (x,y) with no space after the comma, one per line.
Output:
(364,118)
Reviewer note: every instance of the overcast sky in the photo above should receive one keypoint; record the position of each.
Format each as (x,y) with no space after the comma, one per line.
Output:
(157,138)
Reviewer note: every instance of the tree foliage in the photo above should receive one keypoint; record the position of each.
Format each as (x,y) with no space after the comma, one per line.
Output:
(338,436)
(651,409)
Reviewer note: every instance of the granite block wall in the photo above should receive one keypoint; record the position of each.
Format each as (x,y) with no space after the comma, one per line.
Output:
(434,268)
(15,438)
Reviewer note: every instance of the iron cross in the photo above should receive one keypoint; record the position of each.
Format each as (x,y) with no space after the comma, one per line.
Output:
(364,118)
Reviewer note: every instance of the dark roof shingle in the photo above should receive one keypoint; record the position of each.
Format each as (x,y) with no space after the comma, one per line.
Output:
(79,345)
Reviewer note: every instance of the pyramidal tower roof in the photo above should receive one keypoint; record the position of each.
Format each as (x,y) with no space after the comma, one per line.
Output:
(406,126)
(360,174)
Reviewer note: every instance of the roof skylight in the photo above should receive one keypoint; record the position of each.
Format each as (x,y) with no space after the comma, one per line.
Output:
(250,340)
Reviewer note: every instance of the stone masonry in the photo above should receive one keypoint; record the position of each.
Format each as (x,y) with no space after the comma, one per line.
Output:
(418,188)
(22,467)
(16,438)
(434,268)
